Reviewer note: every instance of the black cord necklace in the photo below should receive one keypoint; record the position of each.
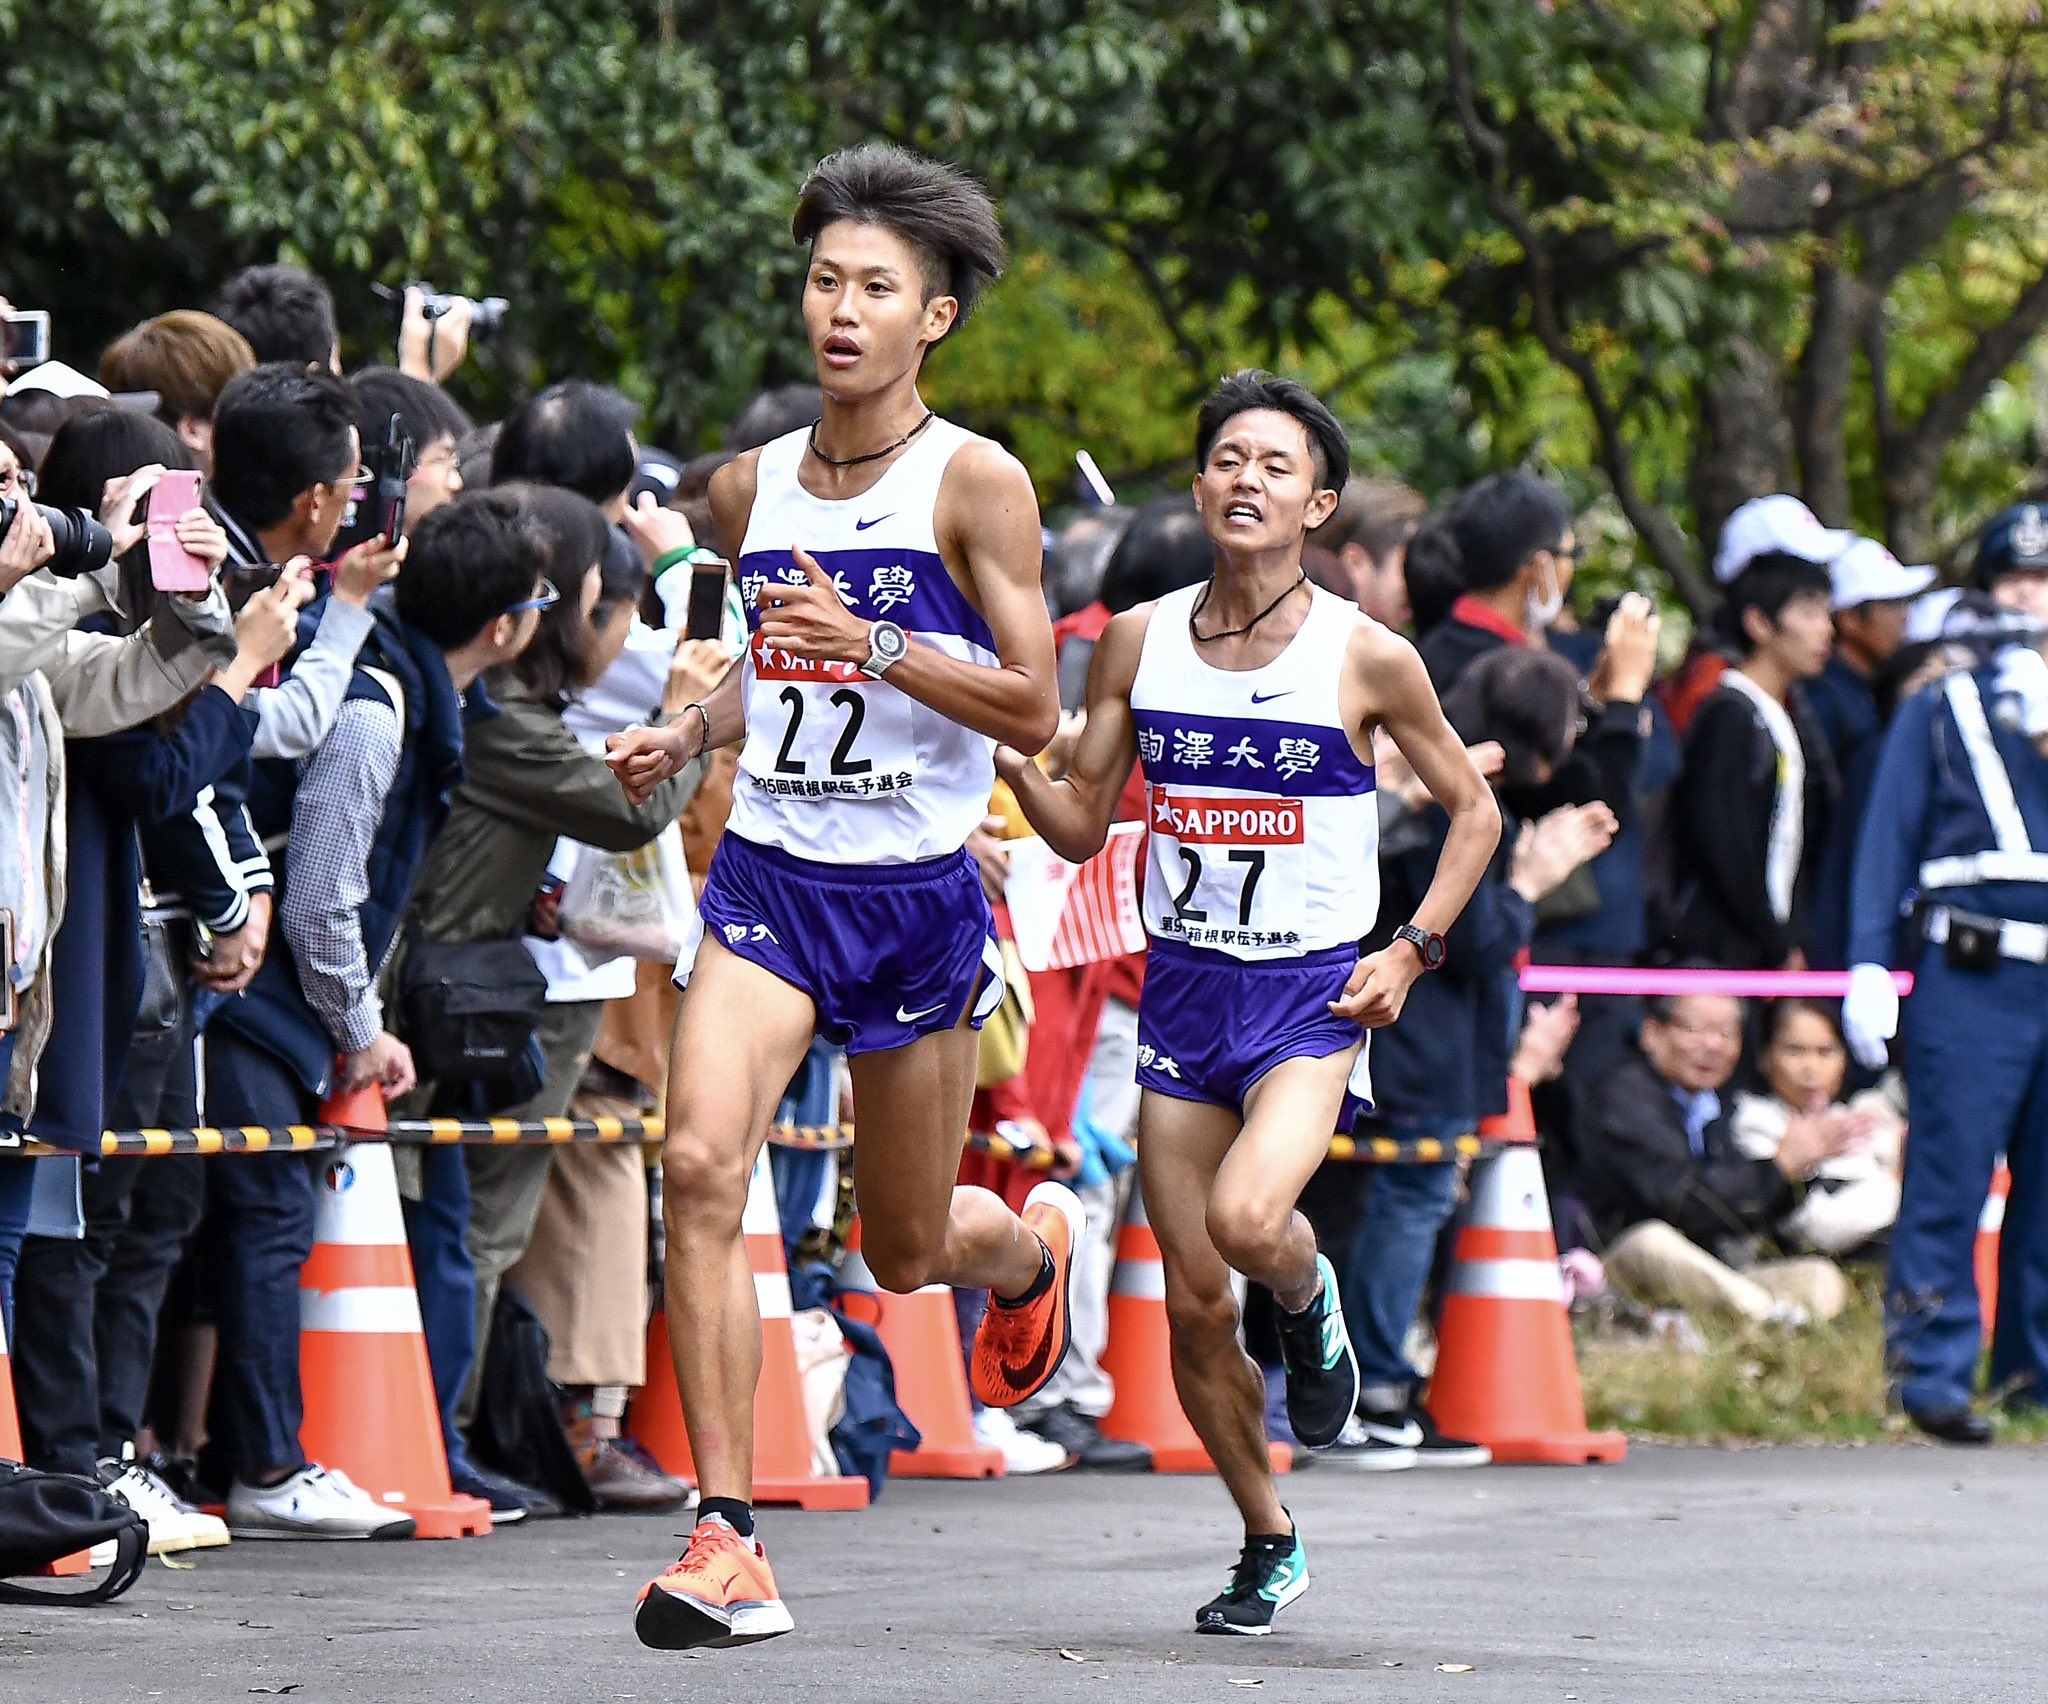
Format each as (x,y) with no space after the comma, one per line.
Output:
(1202,603)
(872,455)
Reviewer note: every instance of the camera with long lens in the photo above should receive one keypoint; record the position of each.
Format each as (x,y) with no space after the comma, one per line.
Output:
(486,313)
(82,544)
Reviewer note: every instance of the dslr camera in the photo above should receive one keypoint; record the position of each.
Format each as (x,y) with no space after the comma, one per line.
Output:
(486,313)
(82,544)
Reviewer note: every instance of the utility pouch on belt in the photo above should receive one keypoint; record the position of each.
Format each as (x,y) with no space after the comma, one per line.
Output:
(1971,946)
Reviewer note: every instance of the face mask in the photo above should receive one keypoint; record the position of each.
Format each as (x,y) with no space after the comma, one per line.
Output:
(1542,611)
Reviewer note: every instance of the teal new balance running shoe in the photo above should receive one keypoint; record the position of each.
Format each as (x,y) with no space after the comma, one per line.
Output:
(1322,1372)
(1270,1574)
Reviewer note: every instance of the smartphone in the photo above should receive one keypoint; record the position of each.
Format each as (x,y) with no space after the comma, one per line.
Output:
(173,568)
(24,339)
(394,462)
(706,618)
(1093,488)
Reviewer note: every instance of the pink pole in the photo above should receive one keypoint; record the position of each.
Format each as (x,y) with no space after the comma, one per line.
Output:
(1746,984)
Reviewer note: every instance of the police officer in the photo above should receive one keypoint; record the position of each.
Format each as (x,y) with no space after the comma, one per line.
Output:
(1956,843)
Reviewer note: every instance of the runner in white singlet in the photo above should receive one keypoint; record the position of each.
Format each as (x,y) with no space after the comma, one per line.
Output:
(1250,703)
(890,566)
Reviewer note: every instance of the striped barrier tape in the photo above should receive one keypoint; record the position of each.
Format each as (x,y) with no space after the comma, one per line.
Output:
(423,1132)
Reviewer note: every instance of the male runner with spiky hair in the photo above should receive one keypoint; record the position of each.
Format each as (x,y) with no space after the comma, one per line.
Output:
(890,562)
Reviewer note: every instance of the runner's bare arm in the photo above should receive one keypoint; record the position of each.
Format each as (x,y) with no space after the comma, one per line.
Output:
(643,758)
(987,519)
(1399,698)
(1073,814)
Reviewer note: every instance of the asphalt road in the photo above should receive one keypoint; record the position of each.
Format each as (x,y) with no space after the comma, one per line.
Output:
(1866,1575)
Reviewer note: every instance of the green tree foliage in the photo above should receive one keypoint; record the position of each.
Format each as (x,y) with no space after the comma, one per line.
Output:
(1676,250)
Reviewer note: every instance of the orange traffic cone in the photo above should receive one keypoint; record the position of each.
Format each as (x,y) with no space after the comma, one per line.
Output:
(369,1394)
(921,1331)
(1139,1360)
(1990,1223)
(1518,1123)
(79,1562)
(1505,1372)
(783,1470)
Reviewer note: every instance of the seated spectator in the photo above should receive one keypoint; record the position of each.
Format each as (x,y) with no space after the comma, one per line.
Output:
(577,435)
(1753,802)
(187,358)
(285,313)
(1852,1197)
(1680,1208)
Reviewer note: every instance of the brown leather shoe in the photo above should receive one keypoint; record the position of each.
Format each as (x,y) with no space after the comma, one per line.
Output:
(620,1482)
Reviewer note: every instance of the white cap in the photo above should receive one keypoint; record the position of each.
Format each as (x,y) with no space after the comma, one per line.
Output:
(1866,572)
(1767,524)
(1928,618)
(59,379)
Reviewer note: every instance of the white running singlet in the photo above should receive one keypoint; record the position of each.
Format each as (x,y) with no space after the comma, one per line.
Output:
(838,767)
(1265,828)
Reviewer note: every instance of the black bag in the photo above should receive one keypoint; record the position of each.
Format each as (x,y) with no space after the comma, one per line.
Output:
(45,1517)
(518,1429)
(469,1009)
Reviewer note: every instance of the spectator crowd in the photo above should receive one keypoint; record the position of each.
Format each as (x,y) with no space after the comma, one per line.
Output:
(307,677)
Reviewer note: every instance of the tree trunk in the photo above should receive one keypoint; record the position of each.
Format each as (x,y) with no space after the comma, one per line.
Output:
(1821,395)
(1743,448)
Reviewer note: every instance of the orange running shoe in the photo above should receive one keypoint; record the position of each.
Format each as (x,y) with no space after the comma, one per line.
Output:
(1018,1348)
(721,1593)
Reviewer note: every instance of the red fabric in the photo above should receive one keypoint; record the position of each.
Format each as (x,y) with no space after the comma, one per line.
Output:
(1691,687)
(1067,1008)
(1082,624)
(1473,613)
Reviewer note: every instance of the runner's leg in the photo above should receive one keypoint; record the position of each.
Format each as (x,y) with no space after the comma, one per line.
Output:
(1253,1222)
(917,1227)
(1181,1146)
(741,1032)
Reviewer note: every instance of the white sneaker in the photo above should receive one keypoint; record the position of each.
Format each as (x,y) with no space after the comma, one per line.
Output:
(1023,1452)
(1373,1449)
(315,1502)
(173,1522)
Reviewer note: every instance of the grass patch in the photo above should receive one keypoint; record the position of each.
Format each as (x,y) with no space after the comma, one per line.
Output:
(1825,1384)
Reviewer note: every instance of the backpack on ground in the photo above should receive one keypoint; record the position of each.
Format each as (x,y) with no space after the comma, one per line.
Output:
(45,1517)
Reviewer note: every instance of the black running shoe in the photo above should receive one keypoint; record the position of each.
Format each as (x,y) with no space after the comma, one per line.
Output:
(1270,1574)
(1322,1372)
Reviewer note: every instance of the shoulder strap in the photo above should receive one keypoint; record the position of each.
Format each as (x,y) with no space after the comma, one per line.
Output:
(1994,786)
(394,689)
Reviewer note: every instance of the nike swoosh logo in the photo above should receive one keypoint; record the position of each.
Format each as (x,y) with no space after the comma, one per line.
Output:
(862,526)
(1406,1436)
(903,1017)
(1268,697)
(1035,1371)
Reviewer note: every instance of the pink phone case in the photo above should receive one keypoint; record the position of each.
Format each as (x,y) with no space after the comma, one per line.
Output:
(173,568)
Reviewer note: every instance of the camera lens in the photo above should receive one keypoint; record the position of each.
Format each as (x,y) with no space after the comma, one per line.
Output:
(82,544)
(487,317)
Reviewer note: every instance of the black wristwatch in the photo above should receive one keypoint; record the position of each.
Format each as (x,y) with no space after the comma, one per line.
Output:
(1429,945)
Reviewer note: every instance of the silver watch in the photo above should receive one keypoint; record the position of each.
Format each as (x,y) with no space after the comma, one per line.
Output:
(888,645)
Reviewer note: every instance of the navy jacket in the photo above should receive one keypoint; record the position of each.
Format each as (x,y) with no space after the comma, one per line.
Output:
(117,784)
(1925,805)
(273,1012)
(1446,1056)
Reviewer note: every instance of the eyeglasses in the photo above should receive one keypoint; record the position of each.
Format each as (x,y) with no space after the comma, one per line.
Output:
(546,598)
(17,480)
(355,485)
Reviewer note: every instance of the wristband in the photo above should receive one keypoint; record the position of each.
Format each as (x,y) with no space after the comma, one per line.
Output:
(690,553)
(704,744)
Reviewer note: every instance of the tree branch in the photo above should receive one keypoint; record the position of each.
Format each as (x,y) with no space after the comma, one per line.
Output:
(1656,529)
(1994,351)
